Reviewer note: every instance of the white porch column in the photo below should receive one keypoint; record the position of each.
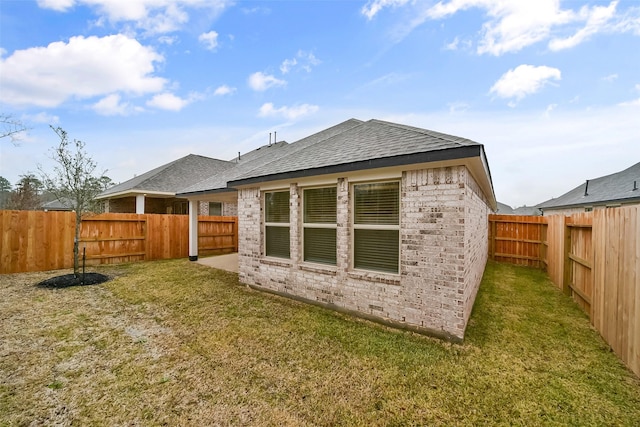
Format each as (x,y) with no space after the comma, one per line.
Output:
(193,230)
(140,204)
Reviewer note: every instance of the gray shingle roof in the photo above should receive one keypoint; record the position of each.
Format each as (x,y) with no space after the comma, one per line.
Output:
(264,155)
(172,176)
(358,147)
(614,188)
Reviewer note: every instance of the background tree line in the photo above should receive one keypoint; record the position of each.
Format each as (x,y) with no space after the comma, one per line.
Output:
(30,193)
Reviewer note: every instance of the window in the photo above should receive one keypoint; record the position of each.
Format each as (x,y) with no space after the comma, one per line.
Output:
(376,224)
(319,225)
(276,220)
(180,208)
(215,208)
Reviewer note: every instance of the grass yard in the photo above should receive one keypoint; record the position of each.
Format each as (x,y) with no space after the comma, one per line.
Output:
(177,343)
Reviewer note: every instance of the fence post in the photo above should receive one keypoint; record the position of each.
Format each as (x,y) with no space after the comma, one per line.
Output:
(566,273)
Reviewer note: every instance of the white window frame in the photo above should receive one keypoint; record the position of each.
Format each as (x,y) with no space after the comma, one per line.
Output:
(306,225)
(274,224)
(355,226)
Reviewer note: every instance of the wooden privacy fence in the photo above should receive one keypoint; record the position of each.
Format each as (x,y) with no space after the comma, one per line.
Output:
(517,239)
(593,257)
(40,241)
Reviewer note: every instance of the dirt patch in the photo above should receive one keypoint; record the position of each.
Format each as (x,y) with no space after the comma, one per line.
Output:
(68,280)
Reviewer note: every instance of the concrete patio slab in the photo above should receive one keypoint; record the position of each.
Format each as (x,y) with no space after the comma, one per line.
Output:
(228,262)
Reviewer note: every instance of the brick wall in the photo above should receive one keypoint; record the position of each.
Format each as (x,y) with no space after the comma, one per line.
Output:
(228,209)
(442,257)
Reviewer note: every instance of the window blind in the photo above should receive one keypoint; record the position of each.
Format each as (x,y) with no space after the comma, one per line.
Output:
(319,219)
(377,203)
(276,218)
(376,219)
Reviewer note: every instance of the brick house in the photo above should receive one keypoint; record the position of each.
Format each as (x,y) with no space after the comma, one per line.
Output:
(381,220)
(155,191)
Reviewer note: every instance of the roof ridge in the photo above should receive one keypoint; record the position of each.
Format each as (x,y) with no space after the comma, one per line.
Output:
(444,136)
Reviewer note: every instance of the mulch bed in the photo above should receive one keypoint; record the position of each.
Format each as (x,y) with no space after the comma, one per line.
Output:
(68,280)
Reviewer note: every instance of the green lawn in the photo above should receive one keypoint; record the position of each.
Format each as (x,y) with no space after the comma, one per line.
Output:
(177,343)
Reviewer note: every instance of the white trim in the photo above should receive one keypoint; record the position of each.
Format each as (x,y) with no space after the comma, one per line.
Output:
(129,193)
(193,228)
(140,203)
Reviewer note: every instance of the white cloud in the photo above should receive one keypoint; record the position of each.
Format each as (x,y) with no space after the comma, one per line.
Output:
(596,18)
(42,117)
(59,5)
(261,82)
(303,60)
(111,106)
(512,25)
(457,107)
(453,45)
(290,113)
(549,110)
(168,40)
(224,90)
(524,80)
(209,40)
(610,77)
(169,101)
(374,6)
(82,68)
(153,16)
(287,64)
(633,103)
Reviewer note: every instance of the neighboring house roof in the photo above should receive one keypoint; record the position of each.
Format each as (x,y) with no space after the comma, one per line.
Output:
(527,210)
(218,182)
(57,205)
(369,145)
(167,179)
(504,209)
(614,188)
(271,154)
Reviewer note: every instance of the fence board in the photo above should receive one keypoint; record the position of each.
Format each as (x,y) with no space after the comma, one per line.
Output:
(40,241)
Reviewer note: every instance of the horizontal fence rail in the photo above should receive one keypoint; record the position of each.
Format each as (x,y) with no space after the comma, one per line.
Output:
(593,257)
(40,241)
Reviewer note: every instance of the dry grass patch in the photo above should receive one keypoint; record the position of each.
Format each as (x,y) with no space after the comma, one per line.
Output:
(177,343)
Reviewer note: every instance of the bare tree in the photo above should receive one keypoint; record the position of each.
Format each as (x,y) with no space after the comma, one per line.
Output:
(74,181)
(27,195)
(10,127)
(5,192)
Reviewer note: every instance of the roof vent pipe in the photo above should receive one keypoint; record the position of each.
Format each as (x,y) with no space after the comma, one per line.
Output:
(635,185)
(274,137)
(238,155)
(586,187)
(269,139)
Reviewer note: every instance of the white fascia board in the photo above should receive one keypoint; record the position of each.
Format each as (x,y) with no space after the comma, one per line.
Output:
(130,193)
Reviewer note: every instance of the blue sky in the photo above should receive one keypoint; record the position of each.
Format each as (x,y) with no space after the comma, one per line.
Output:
(551,88)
